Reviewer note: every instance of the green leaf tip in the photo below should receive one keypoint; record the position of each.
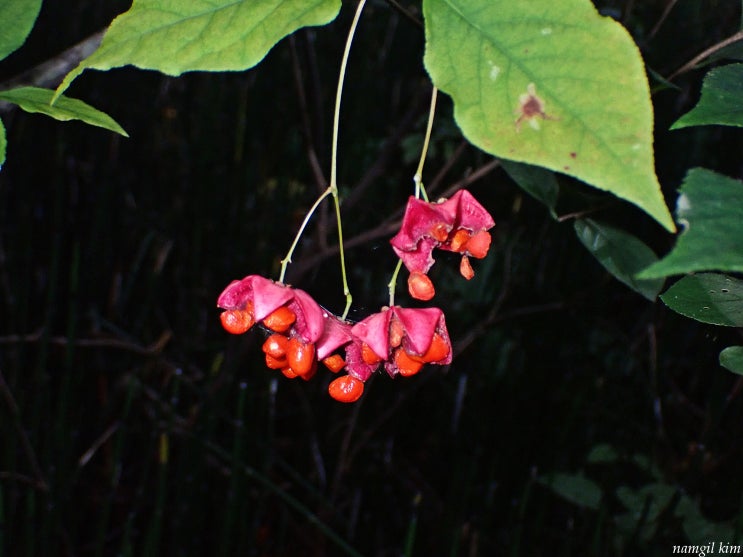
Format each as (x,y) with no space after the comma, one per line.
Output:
(731,358)
(38,100)
(710,210)
(720,101)
(707,297)
(620,253)
(174,37)
(22,15)
(549,83)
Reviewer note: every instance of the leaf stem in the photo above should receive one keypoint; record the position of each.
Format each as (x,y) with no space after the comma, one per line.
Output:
(333,188)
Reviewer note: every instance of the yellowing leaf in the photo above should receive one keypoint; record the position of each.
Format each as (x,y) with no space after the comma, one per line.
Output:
(176,36)
(550,83)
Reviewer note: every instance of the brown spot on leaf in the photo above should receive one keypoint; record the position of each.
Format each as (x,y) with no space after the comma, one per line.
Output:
(531,107)
(573,154)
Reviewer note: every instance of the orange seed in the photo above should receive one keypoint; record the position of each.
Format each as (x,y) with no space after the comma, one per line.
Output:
(335,363)
(237,321)
(420,286)
(465,268)
(479,244)
(280,320)
(346,389)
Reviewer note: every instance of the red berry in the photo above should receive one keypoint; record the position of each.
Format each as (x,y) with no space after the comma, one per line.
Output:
(406,365)
(420,286)
(346,389)
(280,320)
(288,373)
(237,321)
(459,240)
(275,363)
(479,244)
(465,268)
(335,363)
(396,332)
(311,373)
(440,232)
(276,345)
(300,356)
(438,350)
(368,355)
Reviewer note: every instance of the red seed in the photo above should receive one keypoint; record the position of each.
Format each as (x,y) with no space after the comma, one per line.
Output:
(406,365)
(311,373)
(276,345)
(479,244)
(440,232)
(459,240)
(275,363)
(237,321)
(300,356)
(280,320)
(465,268)
(335,363)
(437,351)
(396,333)
(420,286)
(368,355)
(346,389)
(288,373)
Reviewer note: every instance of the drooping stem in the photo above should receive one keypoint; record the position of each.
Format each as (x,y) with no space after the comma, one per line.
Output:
(288,259)
(334,153)
(393,282)
(418,178)
(420,190)
(332,189)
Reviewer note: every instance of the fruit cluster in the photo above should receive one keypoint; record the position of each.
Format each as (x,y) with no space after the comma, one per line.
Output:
(302,334)
(459,224)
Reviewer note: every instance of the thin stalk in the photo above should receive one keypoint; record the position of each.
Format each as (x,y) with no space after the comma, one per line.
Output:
(418,178)
(393,282)
(334,153)
(420,190)
(288,259)
(333,187)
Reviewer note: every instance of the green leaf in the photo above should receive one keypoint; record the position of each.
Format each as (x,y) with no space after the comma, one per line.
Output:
(541,184)
(651,499)
(710,212)
(575,488)
(35,99)
(708,297)
(732,359)
(701,531)
(602,454)
(3,144)
(720,101)
(622,254)
(173,36)
(549,83)
(17,18)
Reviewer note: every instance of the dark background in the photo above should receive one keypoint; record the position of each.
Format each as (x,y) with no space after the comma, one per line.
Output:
(132,424)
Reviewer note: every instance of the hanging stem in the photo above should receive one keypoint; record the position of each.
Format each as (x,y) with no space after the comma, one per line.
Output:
(420,190)
(334,154)
(288,259)
(418,178)
(332,189)
(393,282)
